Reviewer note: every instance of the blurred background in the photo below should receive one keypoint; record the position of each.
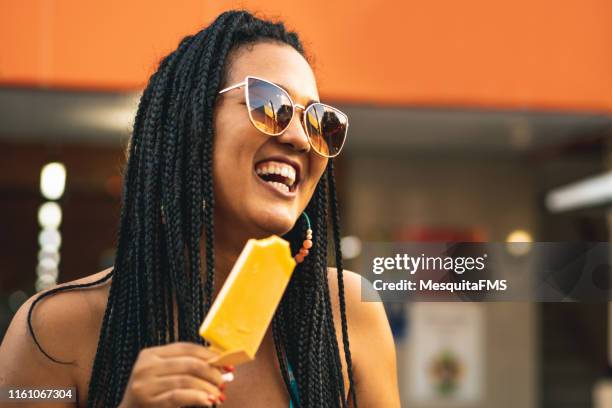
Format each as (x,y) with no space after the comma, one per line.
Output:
(470,121)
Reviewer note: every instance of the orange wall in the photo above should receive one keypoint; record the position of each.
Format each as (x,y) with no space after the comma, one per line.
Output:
(518,54)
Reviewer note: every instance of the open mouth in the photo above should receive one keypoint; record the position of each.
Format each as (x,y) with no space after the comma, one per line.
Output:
(282,176)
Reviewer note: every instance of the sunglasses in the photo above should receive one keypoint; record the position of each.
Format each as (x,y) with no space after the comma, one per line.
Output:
(271,110)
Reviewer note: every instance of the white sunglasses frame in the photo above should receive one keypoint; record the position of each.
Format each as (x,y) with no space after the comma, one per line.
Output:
(245,84)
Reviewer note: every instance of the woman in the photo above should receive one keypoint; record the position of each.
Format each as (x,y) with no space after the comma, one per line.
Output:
(229,143)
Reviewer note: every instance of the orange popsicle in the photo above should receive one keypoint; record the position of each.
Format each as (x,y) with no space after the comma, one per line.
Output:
(241,313)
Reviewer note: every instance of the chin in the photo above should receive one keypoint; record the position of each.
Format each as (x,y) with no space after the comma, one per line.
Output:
(276,223)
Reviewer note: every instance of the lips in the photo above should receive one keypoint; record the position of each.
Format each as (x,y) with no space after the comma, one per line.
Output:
(282,175)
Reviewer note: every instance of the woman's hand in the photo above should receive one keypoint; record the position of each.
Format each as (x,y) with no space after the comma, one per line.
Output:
(174,375)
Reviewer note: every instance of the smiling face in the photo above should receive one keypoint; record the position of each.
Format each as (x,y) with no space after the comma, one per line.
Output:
(252,171)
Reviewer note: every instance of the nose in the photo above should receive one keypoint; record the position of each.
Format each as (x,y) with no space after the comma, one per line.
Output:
(295,134)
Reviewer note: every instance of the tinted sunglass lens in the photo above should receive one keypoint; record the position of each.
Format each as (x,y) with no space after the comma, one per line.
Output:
(326,128)
(269,106)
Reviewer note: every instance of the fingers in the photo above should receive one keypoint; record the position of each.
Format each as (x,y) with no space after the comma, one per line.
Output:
(190,365)
(182,397)
(162,384)
(177,374)
(184,349)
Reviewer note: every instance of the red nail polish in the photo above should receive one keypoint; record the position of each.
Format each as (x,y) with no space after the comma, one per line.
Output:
(222,397)
(230,368)
(222,386)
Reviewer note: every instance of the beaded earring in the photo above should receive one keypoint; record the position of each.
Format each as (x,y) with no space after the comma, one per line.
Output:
(307,244)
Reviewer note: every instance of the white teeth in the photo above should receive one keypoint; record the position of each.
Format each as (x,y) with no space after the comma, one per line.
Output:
(279,168)
(279,186)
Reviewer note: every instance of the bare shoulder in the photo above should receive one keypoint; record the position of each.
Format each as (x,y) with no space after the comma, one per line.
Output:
(371,342)
(62,322)
(352,281)
(359,312)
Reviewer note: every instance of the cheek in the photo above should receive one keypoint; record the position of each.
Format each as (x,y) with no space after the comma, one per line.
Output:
(230,161)
(233,140)
(235,145)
